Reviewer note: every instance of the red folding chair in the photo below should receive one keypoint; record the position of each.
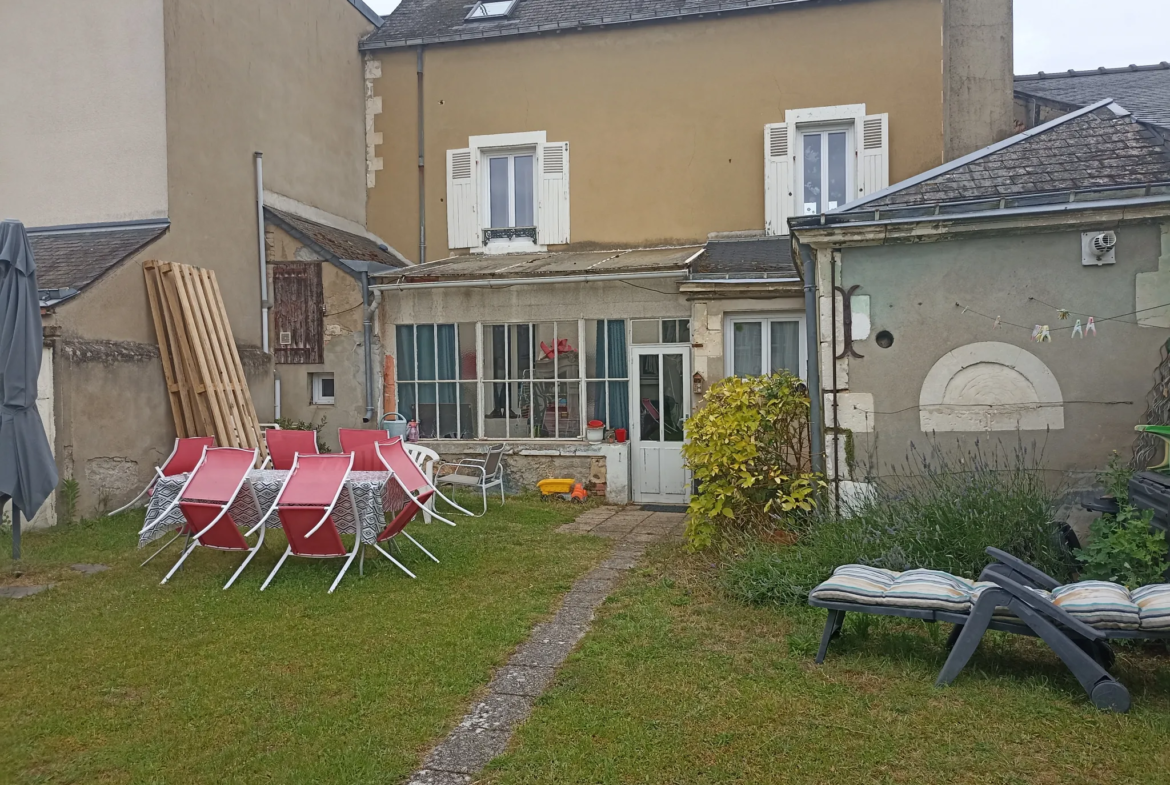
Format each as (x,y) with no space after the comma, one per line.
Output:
(359,442)
(284,446)
(206,498)
(184,457)
(305,508)
(396,460)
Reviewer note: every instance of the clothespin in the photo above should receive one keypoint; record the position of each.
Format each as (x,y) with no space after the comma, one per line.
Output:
(1062,313)
(965,309)
(1077,329)
(1091,327)
(997,323)
(1036,333)
(1045,335)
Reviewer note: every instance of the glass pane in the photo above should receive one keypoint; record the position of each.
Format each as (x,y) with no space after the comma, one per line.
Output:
(404,339)
(837,167)
(619,404)
(495,346)
(408,401)
(569,410)
(747,349)
(616,362)
(498,185)
(425,334)
(495,421)
(448,411)
(546,354)
(524,188)
(468,412)
(520,410)
(812,174)
(595,349)
(568,358)
(644,331)
(522,354)
(786,347)
(670,330)
(467,351)
(448,362)
(428,412)
(327,387)
(595,402)
(672,397)
(545,410)
(649,406)
(684,330)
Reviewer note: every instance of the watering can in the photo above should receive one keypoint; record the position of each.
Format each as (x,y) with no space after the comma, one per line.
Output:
(393,423)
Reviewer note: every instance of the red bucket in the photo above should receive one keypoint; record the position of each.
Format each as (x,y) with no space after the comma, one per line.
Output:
(619,434)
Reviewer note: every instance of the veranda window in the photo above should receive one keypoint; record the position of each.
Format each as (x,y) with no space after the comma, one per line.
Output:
(436,379)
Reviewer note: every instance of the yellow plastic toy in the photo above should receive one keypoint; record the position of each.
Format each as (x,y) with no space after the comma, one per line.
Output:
(553,486)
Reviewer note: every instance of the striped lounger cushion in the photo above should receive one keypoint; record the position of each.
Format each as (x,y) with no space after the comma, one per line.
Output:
(1100,604)
(928,589)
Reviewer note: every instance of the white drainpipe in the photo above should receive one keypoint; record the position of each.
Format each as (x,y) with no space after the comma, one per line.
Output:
(259,159)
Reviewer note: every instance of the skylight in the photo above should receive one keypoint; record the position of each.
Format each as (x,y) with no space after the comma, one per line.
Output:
(491,9)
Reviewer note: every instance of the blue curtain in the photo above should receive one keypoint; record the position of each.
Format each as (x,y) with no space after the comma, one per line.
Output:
(448,360)
(598,412)
(617,364)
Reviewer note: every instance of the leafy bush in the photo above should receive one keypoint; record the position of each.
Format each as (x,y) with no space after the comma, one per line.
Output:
(938,511)
(68,493)
(748,449)
(1123,548)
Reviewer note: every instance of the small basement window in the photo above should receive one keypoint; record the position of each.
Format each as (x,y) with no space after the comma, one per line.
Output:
(491,9)
(323,389)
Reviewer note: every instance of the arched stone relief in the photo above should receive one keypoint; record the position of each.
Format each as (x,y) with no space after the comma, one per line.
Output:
(990,386)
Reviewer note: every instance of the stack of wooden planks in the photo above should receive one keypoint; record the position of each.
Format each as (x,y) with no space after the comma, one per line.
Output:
(209,394)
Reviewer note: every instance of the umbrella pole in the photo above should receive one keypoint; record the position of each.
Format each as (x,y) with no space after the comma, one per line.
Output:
(15,526)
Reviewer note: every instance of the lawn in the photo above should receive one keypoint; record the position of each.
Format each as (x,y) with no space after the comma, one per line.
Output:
(678,684)
(113,678)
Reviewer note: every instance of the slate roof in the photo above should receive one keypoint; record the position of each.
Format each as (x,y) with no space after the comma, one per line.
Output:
(740,258)
(337,244)
(437,21)
(73,257)
(1099,147)
(1142,89)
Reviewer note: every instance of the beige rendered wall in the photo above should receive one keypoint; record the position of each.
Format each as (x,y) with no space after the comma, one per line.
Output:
(83,138)
(665,122)
(978,74)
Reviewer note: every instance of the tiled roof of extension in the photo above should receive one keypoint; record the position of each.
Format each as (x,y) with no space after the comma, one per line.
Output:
(1142,89)
(335,243)
(746,258)
(73,257)
(558,265)
(440,21)
(1098,148)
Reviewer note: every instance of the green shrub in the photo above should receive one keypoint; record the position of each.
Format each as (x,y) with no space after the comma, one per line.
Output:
(748,450)
(1123,548)
(942,515)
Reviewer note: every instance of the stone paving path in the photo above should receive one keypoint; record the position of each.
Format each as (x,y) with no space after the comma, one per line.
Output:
(485,730)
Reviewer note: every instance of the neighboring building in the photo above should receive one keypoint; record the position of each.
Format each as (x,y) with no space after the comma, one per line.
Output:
(1017,297)
(136,142)
(1142,89)
(586,171)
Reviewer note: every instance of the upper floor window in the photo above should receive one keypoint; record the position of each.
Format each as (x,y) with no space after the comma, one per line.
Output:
(508,193)
(491,9)
(822,159)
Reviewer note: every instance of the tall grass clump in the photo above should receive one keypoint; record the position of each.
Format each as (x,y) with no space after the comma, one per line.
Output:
(938,510)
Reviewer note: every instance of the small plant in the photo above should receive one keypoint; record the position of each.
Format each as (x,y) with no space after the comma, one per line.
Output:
(68,494)
(748,448)
(289,424)
(1124,549)
(1116,479)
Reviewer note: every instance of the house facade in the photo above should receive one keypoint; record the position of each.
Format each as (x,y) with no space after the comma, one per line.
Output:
(1013,300)
(598,197)
(140,144)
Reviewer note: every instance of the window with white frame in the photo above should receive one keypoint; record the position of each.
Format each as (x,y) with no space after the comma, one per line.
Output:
(763,343)
(821,159)
(323,391)
(513,381)
(490,9)
(508,192)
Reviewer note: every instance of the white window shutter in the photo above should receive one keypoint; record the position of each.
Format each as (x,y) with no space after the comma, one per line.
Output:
(873,154)
(779,156)
(552,217)
(462,213)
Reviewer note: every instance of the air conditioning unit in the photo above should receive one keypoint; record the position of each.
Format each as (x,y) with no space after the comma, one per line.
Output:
(285,338)
(1098,248)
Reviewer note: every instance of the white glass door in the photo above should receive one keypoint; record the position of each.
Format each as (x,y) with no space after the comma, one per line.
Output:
(660,402)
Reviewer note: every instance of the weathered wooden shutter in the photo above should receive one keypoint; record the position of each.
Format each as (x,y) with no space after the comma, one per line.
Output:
(552,219)
(778,173)
(873,154)
(298,312)
(462,198)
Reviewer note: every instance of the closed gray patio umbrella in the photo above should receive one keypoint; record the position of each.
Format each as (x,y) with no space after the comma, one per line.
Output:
(27,471)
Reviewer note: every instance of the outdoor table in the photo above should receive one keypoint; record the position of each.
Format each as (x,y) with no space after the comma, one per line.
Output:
(373,493)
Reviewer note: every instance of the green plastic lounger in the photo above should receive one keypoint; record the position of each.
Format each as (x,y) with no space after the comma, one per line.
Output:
(1076,620)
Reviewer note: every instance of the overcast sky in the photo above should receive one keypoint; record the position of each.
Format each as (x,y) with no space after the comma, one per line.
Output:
(1055,35)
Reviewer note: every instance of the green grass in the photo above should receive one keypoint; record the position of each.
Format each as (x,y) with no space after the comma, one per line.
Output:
(678,684)
(113,678)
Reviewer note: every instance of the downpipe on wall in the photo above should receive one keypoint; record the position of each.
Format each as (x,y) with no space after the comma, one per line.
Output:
(815,398)
(262,249)
(371,303)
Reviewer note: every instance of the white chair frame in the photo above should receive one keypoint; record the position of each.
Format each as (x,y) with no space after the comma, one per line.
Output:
(426,459)
(486,481)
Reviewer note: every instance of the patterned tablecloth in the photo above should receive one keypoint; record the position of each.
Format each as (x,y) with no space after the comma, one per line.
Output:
(373,493)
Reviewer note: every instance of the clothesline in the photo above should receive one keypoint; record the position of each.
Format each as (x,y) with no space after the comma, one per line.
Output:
(1000,321)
